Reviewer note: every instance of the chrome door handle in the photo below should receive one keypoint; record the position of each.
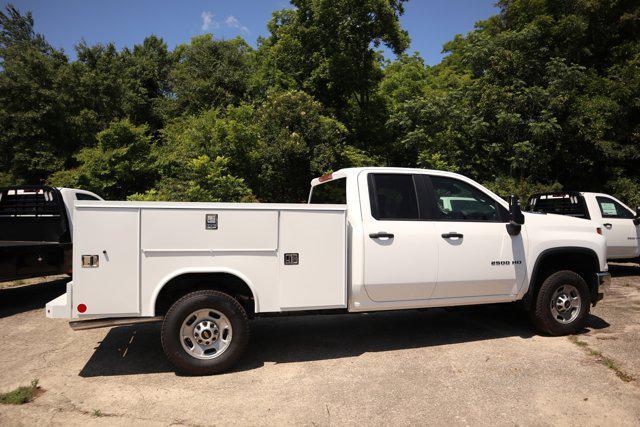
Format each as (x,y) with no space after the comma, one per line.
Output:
(608,225)
(381,235)
(452,235)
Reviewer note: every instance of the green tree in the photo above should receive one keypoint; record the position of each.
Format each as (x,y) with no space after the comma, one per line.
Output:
(276,148)
(542,94)
(328,49)
(148,66)
(119,164)
(298,142)
(33,105)
(210,73)
(200,180)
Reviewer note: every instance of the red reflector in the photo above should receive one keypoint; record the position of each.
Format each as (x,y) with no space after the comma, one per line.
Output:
(326,177)
(82,308)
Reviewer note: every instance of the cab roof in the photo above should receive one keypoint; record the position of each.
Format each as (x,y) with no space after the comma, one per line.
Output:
(347,172)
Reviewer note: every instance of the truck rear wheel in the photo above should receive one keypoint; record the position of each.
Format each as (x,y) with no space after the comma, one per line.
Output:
(205,332)
(562,305)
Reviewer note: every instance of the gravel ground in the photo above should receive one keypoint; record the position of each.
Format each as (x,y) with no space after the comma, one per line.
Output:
(480,365)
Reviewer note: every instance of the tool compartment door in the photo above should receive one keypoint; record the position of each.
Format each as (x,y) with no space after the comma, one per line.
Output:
(111,288)
(313,260)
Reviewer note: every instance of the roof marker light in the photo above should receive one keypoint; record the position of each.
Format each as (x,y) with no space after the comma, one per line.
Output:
(326,177)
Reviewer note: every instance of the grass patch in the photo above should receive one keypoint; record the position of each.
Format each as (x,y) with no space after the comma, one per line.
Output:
(602,359)
(97,413)
(577,342)
(21,395)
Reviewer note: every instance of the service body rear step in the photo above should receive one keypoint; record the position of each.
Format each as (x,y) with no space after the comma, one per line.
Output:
(60,308)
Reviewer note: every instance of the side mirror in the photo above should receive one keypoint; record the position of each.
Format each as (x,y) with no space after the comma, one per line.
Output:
(515,213)
(516,217)
(636,220)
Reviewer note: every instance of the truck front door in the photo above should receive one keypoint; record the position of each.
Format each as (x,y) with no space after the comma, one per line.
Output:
(477,256)
(400,248)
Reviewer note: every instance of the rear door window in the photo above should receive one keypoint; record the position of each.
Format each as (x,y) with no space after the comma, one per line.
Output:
(393,197)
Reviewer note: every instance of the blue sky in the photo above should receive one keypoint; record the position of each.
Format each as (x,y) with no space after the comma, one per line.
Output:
(65,22)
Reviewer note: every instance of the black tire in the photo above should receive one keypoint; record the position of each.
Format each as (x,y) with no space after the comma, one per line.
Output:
(542,313)
(185,362)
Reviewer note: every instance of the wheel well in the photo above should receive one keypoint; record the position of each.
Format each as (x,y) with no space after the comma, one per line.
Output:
(181,285)
(583,262)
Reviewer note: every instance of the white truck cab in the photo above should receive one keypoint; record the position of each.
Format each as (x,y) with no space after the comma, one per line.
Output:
(369,239)
(620,223)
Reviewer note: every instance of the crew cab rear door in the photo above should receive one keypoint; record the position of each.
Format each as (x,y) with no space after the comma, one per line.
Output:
(400,248)
(477,256)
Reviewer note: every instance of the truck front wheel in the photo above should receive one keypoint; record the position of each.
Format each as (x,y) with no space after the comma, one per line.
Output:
(562,305)
(205,332)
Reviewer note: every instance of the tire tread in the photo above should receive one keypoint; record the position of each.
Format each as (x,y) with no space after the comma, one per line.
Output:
(540,314)
(196,367)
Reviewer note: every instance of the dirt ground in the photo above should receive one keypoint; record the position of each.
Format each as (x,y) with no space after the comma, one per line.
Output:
(482,365)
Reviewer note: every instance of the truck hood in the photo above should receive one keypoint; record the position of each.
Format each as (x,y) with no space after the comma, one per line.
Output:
(559,222)
(550,231)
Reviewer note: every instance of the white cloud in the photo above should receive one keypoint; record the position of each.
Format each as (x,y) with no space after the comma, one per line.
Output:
(207,21)
(232,22)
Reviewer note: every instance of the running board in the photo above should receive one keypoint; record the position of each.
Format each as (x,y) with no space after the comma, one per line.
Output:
(80,325)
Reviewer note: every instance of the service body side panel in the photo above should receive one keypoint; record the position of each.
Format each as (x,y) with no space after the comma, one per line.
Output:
(319,279)
(111,289)
(149,243)
(176,241)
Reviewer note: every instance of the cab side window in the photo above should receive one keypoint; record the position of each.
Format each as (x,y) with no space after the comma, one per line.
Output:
(83,196)
(612,209)
(393,197)
(458,201)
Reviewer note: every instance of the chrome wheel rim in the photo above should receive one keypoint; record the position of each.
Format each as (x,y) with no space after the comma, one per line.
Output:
(566,304)
(206,334)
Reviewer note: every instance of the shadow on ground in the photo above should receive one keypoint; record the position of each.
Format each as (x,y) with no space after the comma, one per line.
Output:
(624,270)
(30,297)
(137,349)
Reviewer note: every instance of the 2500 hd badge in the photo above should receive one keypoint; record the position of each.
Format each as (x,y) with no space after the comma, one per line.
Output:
(514,262)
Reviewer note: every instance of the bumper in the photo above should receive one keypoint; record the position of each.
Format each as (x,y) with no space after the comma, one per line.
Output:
(603,281)
(60,308)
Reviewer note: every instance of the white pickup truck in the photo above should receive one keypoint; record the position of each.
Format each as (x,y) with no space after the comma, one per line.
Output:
(620,223)
(370,239)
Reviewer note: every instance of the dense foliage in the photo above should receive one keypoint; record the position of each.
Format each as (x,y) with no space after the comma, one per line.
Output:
(543,95)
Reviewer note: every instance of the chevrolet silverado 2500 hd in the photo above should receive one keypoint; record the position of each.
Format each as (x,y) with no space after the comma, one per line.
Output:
(370,239)
(36,226)
(621,225)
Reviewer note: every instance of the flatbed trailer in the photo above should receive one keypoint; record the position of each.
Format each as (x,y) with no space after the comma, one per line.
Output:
(36,230)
